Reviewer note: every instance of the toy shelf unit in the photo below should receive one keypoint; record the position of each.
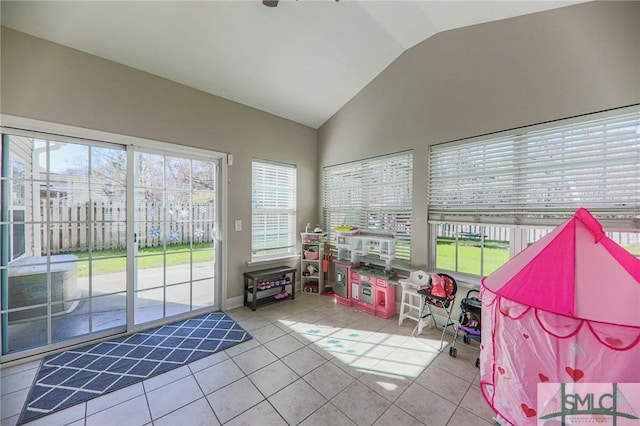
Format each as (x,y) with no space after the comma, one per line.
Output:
(312,248)
(269,285)
(356,244)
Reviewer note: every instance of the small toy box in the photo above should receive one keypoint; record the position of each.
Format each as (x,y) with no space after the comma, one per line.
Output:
(311,255)
(310,238)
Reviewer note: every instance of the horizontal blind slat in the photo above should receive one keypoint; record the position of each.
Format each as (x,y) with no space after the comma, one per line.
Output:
(530,175)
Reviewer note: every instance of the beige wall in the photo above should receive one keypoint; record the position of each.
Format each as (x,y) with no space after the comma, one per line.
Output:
(49,82)
(457,84)
(487,78)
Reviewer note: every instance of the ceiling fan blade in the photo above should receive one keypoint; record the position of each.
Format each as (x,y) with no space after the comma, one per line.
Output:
(270,3)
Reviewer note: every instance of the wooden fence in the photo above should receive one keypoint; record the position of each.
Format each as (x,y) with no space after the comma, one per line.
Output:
(73,225)
(499,233)
(474,232)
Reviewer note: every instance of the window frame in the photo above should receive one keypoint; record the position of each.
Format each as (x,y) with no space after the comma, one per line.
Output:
(289,171)
(346,196)
(15,184)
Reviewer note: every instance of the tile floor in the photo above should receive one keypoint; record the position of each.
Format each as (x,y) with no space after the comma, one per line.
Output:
(310,362)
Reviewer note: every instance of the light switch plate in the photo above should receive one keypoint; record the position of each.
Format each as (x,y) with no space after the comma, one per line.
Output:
(238,225)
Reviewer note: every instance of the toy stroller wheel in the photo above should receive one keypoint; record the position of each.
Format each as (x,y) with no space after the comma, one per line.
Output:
(453,351)
(478,362)
(466,339)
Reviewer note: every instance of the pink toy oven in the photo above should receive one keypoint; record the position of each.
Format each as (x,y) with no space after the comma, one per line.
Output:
(367,300)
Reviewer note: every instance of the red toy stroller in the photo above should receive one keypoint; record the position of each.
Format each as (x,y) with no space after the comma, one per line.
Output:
(469,323)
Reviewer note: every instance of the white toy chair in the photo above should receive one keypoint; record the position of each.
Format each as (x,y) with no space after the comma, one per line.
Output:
(411,302)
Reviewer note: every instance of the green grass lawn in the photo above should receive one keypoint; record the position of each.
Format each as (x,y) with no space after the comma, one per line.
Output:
(111,261)
(469,258)
(495,255)
(633,250)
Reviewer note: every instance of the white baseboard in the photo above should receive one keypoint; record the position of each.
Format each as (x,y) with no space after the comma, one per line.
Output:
(234,302)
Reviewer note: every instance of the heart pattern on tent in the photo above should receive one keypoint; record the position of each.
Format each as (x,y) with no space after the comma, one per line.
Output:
(576,374)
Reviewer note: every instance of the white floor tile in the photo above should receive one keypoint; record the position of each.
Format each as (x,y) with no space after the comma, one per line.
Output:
(463,366)
(344,363)
(234,399)
(11,403)
(274,314)
(218,376)
(263,413)
(329,380)
(328,414)
(173,396)
(242,347)
(297,401)
(310,316)
(267,333)
(254,359)
(303,361)
(12,421)
(399,368)
(19,380)
(30,365)
(198,413)
(252,323)
(273,377)
(66,416)
(114,398)
(389,386)
(208,361)
(444,384)
(425,405)
(464,417)
(395,416)
(474,402)
(131,413)
(160,380)
(283,346)
(360,404)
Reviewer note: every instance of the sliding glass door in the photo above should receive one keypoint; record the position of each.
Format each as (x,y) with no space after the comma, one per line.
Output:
(63,210)
(175,216)
(100,238)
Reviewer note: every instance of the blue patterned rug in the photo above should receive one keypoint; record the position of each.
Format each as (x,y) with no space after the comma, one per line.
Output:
(75,376)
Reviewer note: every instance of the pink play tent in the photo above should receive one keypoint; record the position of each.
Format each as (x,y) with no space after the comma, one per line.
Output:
(566,309)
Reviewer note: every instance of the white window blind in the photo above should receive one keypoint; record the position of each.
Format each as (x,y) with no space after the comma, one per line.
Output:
(541,176)
(375,193)
(273,218)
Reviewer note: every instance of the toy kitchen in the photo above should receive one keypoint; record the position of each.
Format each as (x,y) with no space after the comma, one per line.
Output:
(363,277)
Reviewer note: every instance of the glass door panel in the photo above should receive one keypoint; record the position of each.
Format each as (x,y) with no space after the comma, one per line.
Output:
(63,276)
(175,199)
(203,293)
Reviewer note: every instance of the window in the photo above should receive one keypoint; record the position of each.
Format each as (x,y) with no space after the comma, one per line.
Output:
(273,210)
(375,193)
(471,249)
(491,197)
(14,168)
